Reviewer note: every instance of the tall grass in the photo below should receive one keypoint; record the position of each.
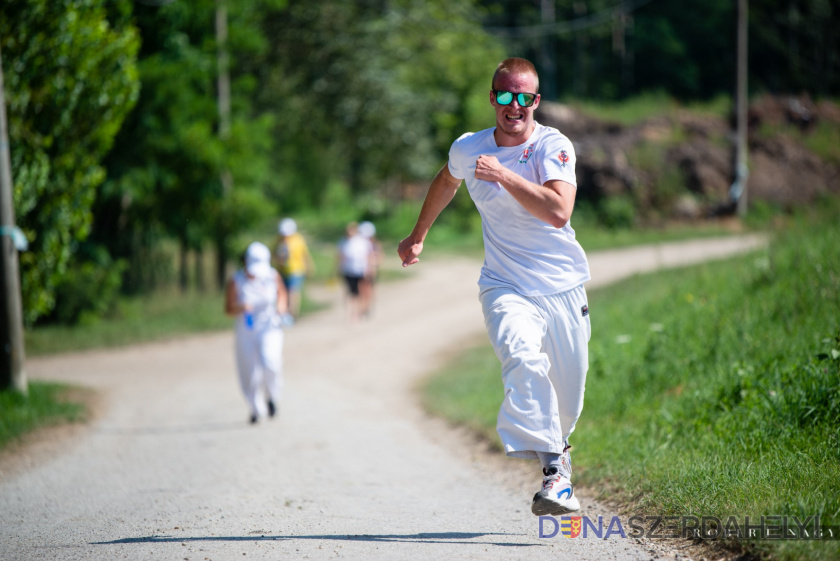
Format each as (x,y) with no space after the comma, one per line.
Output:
(712,390)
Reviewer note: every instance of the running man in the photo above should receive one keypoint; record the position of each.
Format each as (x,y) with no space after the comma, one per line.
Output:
(521,176)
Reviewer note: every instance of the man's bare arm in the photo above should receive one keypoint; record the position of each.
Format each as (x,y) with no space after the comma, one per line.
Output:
(441,192)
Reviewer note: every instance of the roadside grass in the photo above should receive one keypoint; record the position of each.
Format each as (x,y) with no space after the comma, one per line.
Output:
(162,315)
(594,238)
(45,404)
(713,390)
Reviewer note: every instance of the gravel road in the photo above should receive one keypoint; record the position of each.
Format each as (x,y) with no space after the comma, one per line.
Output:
(351,468)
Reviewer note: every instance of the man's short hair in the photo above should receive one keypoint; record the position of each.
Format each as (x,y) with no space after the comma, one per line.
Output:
(515,65)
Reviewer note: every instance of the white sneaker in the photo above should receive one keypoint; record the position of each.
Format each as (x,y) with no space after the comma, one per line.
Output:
(557,495)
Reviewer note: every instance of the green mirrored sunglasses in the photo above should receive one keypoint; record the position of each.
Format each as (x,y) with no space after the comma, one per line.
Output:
(523,99)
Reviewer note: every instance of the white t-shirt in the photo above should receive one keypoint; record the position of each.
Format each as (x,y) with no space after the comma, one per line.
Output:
(260,295)
(520,250)
(355,255)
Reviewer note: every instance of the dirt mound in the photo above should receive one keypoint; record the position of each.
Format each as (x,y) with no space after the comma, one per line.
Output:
(681,165)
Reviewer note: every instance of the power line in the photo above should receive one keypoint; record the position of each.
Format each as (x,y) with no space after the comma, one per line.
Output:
(570,26)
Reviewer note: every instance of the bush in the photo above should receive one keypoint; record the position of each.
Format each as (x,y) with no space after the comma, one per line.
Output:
(89,289)
(617,212)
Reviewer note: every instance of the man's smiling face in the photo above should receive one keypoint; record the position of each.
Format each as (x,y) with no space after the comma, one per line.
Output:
(514,124)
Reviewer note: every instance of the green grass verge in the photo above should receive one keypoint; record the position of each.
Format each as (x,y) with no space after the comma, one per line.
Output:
(713,390)
(162,315)
(45,404)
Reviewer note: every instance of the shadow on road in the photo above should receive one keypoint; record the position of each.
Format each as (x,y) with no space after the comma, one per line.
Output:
(423,537)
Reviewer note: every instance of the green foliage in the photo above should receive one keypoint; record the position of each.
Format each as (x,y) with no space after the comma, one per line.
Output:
(70,79)
(166,161)
(90,288)
(45,404)
(793,46)
(714,390)
(676,46)
(165,173)
(824,141)
(685,48)
(617,212)
(370,94)
(342,95)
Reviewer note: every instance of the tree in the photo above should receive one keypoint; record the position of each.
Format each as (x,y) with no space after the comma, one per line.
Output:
(795,46)
(164,174)
(376,89)
(70,80)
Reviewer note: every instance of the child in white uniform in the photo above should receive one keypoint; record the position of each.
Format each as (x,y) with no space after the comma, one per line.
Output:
(256,296)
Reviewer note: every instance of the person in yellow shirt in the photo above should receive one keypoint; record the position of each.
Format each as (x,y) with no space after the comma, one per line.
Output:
(293,261)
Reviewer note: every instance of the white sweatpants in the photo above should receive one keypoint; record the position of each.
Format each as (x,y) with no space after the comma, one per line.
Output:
(259,360)
(542,343)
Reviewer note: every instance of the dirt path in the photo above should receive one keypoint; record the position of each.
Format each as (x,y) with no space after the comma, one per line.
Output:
(351,468)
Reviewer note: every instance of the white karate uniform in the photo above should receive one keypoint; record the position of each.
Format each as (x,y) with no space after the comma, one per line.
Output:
(531,291)
(259,341)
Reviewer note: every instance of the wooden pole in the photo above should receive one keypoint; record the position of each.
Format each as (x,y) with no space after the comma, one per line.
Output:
(12,373)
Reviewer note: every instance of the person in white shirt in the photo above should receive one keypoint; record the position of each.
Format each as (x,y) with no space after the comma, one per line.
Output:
(355,264)
(367,288)
(256,297)
(521,176)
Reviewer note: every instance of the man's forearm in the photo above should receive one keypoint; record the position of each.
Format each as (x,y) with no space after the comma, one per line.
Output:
(441,192)
(552,203)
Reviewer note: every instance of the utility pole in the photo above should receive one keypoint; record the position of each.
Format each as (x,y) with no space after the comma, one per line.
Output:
(738,191)
(223,87)
(12,373)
